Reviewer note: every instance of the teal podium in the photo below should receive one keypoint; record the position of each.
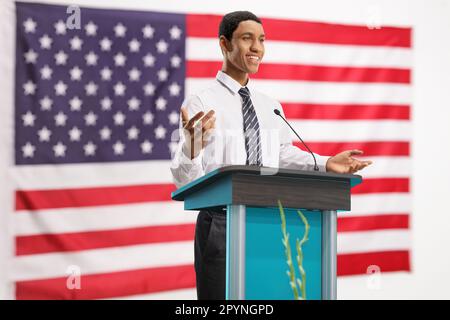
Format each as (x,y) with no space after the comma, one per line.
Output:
(256,262)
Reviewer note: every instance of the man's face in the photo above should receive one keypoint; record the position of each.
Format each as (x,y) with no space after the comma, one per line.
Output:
(247,46)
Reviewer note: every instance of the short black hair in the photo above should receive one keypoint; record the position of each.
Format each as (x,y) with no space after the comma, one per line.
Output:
(231,20)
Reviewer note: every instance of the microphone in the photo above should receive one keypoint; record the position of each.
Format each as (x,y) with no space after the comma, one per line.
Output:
(278,113)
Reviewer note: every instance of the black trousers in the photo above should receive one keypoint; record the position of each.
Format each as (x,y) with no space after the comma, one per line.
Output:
(210,254)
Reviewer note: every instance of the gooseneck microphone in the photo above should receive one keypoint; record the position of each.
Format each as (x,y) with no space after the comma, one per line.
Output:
(278,113)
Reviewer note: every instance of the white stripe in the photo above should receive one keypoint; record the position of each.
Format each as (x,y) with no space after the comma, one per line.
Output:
(182,294)
(101,218)
(373,241)
(379,203)
(387,167)
(352,130)
(311,54)
(320,92)
(90,175)
(52,265)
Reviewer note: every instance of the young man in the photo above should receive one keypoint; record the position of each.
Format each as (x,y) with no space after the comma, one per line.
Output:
(229,123)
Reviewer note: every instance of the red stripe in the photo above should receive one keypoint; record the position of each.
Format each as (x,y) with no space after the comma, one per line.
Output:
(380,185)
(370,148)
(45,243)
(375,222)
(208,69)
(207,26)
(85,197)
(345,111)
(358,263)
(109,285)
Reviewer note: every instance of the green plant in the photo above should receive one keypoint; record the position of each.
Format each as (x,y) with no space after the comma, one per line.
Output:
(295,283)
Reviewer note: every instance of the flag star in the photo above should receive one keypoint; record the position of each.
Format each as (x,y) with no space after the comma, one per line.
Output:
(118,147)
(162,46)
(45,41)
(119,89)
(75,104)
(146,147)
(89,149)
(173,147)
(60,27)
(90,119)
(76,73)
(163,74)
(161,103)
(119,119)
(60,119)
(149,60)
(148,31)
(91,89)
(134,103)
(75,134)
(134,45)
(29,87)
(61,58)
(175,61)
(30,56)
(105,44)
(29,25)
(46,72)
(106,103)
(76,43)
(119,60)
(174,89)
(28,119)
(173,117)
(46,103)
(60,88)
(160,132)
(28,150)
(91,59)
(120,30)
(175,33)
(106,73)
(134,74)
(105,133)
(147,118)
(133,133)
(44,134)
(91,29)
(149,89)
(59,149)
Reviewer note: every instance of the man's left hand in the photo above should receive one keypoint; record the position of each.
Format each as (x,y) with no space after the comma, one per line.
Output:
(344,162)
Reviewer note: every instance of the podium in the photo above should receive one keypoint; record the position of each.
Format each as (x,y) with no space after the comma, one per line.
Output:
(255,259)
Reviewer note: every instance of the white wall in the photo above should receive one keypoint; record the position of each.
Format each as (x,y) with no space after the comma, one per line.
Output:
(431,121)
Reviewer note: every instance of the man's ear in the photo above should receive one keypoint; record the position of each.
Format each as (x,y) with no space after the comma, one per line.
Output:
(225,44)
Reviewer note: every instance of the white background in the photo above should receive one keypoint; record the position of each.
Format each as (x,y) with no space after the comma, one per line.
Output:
(430,20)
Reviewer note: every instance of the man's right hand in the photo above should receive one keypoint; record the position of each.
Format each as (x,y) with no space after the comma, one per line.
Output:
(197,130)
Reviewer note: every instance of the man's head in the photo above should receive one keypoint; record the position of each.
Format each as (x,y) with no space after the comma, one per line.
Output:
(241,37)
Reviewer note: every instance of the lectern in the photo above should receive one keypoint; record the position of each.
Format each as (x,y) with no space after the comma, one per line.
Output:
(256,261)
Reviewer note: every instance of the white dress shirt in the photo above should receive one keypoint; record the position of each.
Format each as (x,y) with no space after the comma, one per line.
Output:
(227,144)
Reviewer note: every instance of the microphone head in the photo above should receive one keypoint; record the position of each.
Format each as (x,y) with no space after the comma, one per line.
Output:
(277,112)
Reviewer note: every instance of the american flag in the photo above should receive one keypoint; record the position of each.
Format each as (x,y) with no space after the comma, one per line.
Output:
(95,109)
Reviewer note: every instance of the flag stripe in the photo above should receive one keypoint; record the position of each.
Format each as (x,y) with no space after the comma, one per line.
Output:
(208,69)
(107,285)
(207,25)
(63,242)
(350,264)
(373,241)
(85,197)
(345,111)
(375,222)
(377,203)
(376,185)
(370,148)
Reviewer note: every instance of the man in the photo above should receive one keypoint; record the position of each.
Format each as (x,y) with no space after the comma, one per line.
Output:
(229,123)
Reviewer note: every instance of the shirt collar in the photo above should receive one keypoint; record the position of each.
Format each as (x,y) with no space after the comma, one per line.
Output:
(229,82)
